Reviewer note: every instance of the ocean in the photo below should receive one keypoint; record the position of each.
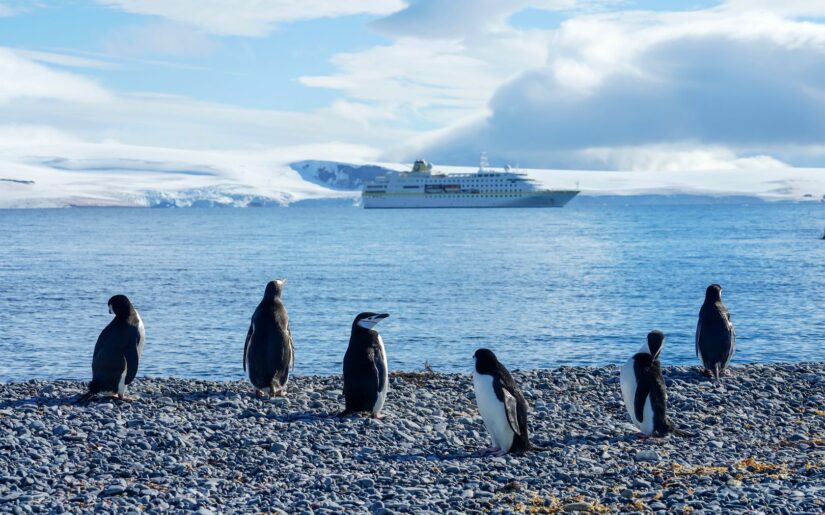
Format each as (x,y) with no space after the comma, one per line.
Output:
(543,288)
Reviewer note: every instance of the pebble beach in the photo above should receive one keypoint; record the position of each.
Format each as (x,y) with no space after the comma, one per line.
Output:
(212,447)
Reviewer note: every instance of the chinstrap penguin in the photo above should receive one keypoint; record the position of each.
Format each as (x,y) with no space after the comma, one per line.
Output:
(715,334)
(365,367)
(501,405)
(117,352)
(268,353)
(643,389)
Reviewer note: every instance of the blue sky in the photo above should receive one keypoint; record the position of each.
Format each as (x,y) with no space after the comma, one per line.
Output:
(254,72)
(641,85)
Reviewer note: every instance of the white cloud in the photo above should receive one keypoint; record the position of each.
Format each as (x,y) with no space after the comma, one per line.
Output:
(6,11)
(434,81)
(447,59)
(674,158)
(784,7)
(737,83)
(23,78)
(250,17)
(457,19)
(63,59)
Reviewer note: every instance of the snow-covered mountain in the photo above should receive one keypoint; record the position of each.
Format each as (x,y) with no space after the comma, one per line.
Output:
(90,176)
(338,176)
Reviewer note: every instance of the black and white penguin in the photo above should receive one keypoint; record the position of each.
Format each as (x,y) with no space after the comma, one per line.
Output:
(501,405)
(365,367)
(715,334)
(117,352)
(643,389)
(268,352)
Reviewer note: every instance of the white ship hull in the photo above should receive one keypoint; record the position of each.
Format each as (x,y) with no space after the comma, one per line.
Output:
(423,188)
(411,201)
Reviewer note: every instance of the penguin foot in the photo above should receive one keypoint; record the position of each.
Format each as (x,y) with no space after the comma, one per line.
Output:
(707,373)
(279,393)
(258,393)
(124,397)
(378,416)
(500,452)
(727,372)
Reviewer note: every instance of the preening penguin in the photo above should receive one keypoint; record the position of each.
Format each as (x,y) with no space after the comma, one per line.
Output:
(643,389)
(501,405)
(268,352)
(117,351)
(715,334)
(365,367)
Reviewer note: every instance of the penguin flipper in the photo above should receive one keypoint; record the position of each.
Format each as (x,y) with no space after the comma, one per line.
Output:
(290,347)
(644,384)
(511,407)
(246,343)
(97,355)
(732,350)
(698,332)
(378,361)
(132,360)
(658,401)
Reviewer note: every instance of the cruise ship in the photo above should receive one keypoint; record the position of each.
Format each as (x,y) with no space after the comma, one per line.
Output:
(421,187)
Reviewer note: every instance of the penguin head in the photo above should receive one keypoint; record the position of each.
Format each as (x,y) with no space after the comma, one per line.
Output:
(655,342)
(713,293)
(368,319)
(120,306)
(274,288)
(486,361)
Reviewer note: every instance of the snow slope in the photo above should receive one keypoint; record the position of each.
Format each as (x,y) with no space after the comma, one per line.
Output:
(112,174)
(122,175)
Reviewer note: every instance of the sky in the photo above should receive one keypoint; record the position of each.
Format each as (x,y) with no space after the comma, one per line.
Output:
(606,84)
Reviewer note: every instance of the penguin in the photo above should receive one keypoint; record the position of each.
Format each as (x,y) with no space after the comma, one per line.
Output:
(268,353)
(117,352)
(501,405)
(643,389)
(715,334)
(365,367)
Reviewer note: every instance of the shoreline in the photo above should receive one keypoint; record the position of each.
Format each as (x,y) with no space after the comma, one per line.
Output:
(189,444)
(396,373)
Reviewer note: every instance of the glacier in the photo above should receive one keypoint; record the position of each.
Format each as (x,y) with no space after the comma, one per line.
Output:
(179,178)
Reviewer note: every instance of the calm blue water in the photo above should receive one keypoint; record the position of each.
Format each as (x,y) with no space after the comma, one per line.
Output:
(581,285)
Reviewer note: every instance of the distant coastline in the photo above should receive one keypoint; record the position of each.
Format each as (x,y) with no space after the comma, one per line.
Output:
(55,183)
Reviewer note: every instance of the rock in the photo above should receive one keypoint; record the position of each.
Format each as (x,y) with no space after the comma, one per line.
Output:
(647,455)
(113,490)
(181,452)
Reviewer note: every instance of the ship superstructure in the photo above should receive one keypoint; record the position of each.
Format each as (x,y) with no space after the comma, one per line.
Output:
(422,187)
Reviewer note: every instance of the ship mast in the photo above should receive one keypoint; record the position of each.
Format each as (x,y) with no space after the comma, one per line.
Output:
(483,163)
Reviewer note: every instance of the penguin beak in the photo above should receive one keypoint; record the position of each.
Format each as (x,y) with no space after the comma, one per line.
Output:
(110,310)
(369,322)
